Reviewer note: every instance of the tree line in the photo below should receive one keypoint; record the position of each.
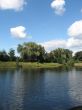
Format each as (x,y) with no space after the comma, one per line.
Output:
(8,56)
(33,52)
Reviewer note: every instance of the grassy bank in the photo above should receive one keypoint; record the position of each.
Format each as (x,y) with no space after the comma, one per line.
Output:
(78,64)
(40,65)
(7,65)
(29,65)
(25,65)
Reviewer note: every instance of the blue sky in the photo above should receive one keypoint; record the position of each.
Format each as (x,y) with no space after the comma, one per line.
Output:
(52,23)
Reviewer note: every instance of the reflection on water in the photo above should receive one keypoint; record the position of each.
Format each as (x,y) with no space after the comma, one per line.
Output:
(76,108)
(40,89)
(75,86)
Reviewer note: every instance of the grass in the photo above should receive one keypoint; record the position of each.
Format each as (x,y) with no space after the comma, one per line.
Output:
(7,65)
(29,65)
(25,65)
(78,64)
(40,65)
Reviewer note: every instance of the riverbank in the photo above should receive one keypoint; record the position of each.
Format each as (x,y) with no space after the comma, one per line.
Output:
(78,65)
(25,65)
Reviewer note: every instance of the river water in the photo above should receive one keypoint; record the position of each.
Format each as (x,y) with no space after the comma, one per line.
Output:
(40,89)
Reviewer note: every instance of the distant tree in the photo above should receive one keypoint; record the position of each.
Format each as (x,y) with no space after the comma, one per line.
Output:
(4,56)
(78,56)
(34,52)
(12,54)
(49,57)
(31,52)
(61,55)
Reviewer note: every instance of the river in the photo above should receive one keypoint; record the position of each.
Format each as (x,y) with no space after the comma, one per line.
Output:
(40,89)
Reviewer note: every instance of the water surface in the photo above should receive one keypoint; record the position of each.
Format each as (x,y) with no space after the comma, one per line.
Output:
(40,89)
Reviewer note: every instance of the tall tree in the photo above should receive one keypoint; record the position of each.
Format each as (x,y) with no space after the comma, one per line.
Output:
(12,54)
(31,52)
(4,56)
(61,55)
(78,56)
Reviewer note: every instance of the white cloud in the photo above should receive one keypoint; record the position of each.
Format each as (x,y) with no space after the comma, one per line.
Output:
(12,4)
(75,30)
(74,42)
(58,6)
(18,32)
(75,34)
(53,44)
(71,43)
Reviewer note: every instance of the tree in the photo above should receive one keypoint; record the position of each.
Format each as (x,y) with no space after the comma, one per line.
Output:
(68,54)
(12,54)
(4,56)
(61,55)
(78,56)
(31,52)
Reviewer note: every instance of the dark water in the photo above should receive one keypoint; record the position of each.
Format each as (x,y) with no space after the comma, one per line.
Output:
(40,89)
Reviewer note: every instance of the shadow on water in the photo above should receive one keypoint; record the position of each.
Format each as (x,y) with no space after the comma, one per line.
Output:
(78,68)
(76,108)
(42,70)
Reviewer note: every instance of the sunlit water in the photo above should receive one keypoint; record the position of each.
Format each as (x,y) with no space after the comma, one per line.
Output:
(40,89)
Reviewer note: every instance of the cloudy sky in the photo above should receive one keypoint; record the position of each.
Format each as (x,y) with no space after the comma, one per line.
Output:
(52,23)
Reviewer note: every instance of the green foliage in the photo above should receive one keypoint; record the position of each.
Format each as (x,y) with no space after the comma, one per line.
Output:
(31,52)
(61,55)
(70,62)
(12,54)
(4,56)
(36,53)
(78,56)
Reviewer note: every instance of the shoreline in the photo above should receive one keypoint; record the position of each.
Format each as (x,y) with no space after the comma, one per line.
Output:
(28,65)
(25,65)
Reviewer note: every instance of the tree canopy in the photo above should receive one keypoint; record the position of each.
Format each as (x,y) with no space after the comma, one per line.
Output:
(36,53)
(78,56)
(11,54)
(61,55)
(33,52)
